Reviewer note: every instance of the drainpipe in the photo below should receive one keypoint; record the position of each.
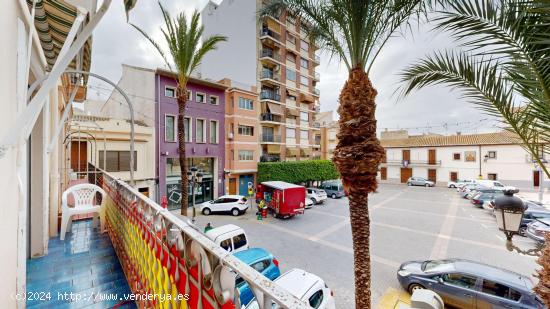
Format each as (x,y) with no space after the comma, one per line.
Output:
(480,175)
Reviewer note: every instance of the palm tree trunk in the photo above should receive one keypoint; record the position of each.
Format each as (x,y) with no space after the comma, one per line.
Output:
(357,156)
(543,286)
(182,102)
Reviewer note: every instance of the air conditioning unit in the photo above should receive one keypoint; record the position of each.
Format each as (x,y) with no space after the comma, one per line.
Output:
(230,135)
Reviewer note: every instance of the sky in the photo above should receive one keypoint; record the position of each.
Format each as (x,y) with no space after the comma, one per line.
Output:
(436,109)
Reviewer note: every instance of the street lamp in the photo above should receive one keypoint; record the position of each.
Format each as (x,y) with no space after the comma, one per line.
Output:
(509,211)
(195,178)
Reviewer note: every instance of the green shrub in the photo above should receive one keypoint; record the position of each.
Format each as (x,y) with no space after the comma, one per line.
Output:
(297,171)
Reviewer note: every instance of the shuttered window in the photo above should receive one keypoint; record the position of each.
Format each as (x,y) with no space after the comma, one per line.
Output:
(118,161)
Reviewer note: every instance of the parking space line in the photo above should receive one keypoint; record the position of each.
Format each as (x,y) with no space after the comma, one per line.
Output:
(435,214)
(441,244)
(329,230)
(327,214)
(384,202)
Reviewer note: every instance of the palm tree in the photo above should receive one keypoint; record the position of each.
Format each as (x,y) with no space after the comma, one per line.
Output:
(355,31)
(183,41)
(505,72)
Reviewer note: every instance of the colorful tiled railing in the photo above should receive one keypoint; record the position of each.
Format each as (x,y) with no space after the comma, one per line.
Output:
(170,264)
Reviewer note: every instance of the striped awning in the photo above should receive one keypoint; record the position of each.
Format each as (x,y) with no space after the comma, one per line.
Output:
(53,21)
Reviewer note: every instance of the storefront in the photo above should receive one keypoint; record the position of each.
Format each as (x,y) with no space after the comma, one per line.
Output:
(205,192)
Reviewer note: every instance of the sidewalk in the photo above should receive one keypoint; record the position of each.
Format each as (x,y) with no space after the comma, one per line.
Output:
(394,299)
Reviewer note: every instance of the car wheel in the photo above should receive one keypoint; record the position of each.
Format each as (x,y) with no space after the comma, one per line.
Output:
(333,196)
(452,186)
(409,184)
(314,201)
(235,212)
(522,230)
(206,211)
(415,287)
(427,185)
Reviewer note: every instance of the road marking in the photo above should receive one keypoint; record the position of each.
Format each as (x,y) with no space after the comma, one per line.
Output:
(435,214)
(441,244)
(327,214)
(393,298)
(384,202)
(330,230)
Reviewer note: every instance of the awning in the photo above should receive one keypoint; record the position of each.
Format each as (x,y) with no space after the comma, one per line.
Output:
(273,25)
(292,93)
(292,151)
(53,21)
(305,152)
(307,98)
(273,149)
(275,108)
(293,112)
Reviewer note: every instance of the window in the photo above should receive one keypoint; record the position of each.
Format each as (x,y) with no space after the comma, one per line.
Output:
(188,129)
(260,266)
(189,95)
(456,156)
(290,38)
(291,57)
(214,100)
(200,97)
(304,116)
(246,130)
(170,92)
(291,19)
(316,299)
(226,244)
(304,45)
(213,132)
(239,241)
(304,135)
(118,161)
(304,63)
(290,74)
(246,103)
(492,154)
(469,156)
(460,280)
(169,128)
(497,289)
(492,176)
(290,133)
(304,80)
(200,134)
(246,155)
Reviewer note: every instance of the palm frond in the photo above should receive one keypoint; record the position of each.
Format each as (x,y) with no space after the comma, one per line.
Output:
(155,44)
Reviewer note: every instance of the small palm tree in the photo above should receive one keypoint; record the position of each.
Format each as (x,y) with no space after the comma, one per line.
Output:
(186,51)
(505,72)
(355,31)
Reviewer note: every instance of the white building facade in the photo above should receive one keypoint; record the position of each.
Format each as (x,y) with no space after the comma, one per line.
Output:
(497,156)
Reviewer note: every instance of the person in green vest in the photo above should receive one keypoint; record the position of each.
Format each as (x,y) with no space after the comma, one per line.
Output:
(208,227)
(261,206)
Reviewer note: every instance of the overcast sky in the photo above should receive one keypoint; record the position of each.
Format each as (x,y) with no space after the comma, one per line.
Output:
(116,42)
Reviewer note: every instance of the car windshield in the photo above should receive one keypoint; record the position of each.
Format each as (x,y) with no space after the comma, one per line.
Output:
(435,266)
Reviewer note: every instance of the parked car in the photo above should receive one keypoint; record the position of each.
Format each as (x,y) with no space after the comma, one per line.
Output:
(537,229)
(529,205)
(419,181)
(469,284)
(333,188)
(305,286)
(263,262)
(532,214)
(308,203)
(230,237)
(464,190)
(458,183)
(233,204)
(491,184)
(485,196)
(317,195)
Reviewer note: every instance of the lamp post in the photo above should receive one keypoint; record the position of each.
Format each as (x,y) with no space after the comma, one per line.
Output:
(509,211)
(195,178)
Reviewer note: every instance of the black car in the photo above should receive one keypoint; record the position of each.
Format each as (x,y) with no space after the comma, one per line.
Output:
(468,284)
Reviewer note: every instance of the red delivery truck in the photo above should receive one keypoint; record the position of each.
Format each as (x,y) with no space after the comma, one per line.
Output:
(283,198)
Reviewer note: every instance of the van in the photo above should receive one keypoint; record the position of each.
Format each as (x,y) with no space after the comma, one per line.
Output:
(334,188)
(230,237)
(491,184)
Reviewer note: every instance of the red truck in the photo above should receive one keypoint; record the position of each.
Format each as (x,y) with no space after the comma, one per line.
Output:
(284,199)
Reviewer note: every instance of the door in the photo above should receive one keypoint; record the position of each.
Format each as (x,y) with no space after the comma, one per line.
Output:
(536,178)
(454,176)
(457,290)
(232,186)
(383,173)
(243,183)
(79,156)
(406,155)
(405,174)
(431,156)
(432,175)
(494,295)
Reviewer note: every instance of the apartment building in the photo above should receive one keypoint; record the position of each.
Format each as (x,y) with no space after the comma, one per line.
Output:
(204,144)
(276,55)
(329,129)
(496,156)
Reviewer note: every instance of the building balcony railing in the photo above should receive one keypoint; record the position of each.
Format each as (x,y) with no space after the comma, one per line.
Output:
(270,33)
(316,125)
(406,163)
(269,53)
(270,74)
(270,95)
(270,158)
(317,77)
(317,91)
(270,138)
(162,254)
(271,117)
(317,59)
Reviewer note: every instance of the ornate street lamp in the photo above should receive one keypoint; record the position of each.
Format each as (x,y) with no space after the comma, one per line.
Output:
(195,178)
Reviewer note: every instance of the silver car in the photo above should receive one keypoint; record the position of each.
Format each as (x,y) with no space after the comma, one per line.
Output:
(537,229)
(419,181)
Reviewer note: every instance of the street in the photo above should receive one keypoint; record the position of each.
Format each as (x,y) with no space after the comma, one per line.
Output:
(407,223)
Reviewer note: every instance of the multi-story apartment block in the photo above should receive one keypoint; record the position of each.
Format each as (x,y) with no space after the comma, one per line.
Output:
(242,129)
(329,129)
(275,54)
(204,146)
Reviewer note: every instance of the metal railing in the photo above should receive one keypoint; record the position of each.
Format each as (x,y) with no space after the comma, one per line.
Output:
(268,32)
(270,138)
(317,91)
(271,54)
(270,95)
(317,59)
(271,117)
(270,74)
(162,255)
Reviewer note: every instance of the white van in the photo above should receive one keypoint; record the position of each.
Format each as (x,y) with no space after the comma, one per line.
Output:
(230,237)
(491,184)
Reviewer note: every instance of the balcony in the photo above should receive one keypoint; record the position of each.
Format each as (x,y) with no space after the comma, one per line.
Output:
(270,95)
(316,91)
(316,59)
(269,53)
(407,163)
(271,117)
(270,138)
(270,158)
(317,77)
(267,33)
(270,75)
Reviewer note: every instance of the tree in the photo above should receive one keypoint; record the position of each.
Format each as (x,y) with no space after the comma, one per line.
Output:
(297,171)
(355,32)
(183,41)
(505,72)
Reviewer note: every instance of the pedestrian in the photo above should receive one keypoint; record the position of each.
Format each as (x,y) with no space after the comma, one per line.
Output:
(208,227)
(261,207)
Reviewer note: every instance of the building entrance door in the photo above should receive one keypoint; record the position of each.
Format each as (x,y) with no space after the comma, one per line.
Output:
(383,173)
(243,183)
(405,174)
(432,175)
(536,178)
(232,186)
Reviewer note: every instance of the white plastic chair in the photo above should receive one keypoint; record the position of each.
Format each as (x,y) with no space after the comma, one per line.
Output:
(84,195)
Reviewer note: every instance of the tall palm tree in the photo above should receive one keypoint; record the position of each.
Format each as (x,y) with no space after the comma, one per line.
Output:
(183,40)
(355,32)
(505,72)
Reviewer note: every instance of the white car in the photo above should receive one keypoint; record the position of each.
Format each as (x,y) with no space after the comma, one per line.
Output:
(306,286)
(318,196)
(234,204)
(308,203)
(459,183)
(230,237)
